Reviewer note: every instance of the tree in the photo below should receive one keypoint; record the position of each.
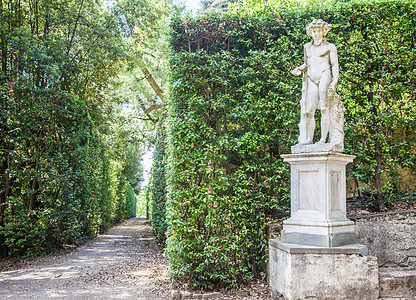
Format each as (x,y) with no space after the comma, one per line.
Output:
(70,147)
(218,6)
(146,76)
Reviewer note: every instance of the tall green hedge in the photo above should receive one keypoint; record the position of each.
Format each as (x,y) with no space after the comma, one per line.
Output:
(229,122)
(57,182)
(234,108)
(158,185)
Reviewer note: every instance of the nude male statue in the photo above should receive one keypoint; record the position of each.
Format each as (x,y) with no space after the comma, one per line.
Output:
(318,83)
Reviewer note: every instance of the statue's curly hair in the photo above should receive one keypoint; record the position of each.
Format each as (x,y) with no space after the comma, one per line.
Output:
(318,23)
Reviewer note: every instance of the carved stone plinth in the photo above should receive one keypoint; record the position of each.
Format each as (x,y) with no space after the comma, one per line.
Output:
(318,200)
(316,148)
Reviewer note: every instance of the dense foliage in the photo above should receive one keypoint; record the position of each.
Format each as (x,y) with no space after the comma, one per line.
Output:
(157,188)
(376,52)
(229,122)
(69,152)
(234,109)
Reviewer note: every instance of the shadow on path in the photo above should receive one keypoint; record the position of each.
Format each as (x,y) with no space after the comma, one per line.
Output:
(123,263)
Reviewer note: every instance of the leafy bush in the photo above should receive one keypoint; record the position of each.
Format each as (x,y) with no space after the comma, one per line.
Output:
(234,108)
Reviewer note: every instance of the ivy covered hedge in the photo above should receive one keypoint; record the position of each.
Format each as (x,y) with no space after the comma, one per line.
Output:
(234,108)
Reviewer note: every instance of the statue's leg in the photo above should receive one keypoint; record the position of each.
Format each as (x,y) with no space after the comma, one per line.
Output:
(324,104)
(311,104)
(302,124)
(302,127)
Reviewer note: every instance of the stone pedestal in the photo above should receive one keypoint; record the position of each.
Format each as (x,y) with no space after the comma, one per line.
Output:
(318,200)
(331,273)
(317,256)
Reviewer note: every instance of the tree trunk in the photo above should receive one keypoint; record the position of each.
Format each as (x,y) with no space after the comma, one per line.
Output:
(3,200)
(379,201)
(35,184)
(3,48)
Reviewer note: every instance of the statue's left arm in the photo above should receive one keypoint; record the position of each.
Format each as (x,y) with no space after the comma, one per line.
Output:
(333,57)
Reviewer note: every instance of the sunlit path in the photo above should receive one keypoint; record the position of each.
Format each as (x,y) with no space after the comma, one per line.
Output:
(124,263)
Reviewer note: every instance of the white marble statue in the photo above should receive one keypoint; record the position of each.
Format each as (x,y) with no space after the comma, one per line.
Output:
(320,77)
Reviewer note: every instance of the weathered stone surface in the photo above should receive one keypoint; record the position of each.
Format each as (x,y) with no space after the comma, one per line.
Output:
(391,237)
(329,240)
(305,249)
(211,295)
(294,276)
(393,298)
(186,295)
(398,284)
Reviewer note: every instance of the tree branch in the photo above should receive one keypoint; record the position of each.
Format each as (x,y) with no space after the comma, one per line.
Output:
(75,27)
(152,108)
(149,77)
(148,119)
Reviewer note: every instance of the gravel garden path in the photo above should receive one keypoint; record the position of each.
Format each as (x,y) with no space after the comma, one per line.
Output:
(123,263)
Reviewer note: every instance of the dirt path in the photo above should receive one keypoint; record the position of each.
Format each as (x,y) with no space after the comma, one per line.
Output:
(124,263)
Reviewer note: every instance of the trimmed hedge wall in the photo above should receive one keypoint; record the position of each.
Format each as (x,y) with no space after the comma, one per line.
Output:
(234,108)
(158,185)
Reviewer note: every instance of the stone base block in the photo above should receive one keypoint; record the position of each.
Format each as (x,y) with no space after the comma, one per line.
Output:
(398,284)
(334,273)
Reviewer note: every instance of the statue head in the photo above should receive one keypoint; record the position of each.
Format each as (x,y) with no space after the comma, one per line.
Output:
(318,29)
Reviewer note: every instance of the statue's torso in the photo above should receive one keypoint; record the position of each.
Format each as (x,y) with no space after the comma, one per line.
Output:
(318,60)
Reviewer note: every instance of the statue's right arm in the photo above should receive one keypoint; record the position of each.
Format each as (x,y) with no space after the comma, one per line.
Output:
(302,68)
(305,59)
